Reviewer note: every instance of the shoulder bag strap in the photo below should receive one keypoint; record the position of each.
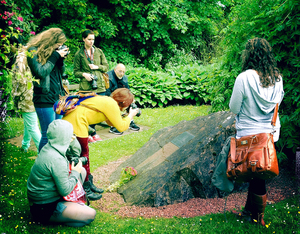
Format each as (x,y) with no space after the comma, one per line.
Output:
(92,108)
(273,122)
(232,148)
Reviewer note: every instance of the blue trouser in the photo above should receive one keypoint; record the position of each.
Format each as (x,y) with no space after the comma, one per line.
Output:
(46,116)
(31,130)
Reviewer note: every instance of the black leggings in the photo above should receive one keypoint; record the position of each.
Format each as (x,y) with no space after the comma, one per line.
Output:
(43,212)
(93,126)
(257,186)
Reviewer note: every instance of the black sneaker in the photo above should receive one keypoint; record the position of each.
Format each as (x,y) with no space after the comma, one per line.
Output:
(115,131)
(133,126)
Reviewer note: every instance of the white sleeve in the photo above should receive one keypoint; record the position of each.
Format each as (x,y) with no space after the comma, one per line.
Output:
(236,99)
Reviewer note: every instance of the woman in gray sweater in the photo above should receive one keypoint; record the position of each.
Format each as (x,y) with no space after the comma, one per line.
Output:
(255,94)
(50,181)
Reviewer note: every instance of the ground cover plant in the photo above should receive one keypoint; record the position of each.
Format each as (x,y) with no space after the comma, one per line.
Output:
(282,217)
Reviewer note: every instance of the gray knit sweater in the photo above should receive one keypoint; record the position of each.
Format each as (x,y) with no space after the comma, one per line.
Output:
(254,105)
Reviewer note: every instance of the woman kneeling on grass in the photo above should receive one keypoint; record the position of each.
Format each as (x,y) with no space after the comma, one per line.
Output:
(49,181)
(95,110)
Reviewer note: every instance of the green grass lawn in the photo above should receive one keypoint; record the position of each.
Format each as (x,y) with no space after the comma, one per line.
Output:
(282,217)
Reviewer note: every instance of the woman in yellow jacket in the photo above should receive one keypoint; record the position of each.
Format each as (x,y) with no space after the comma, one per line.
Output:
(95,110)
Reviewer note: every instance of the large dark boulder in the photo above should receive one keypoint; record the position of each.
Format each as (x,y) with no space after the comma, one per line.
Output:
(177,163)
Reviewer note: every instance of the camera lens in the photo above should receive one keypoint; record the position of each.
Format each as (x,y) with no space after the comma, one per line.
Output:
(134,106)
(94,84)
(64,47)
(83,160)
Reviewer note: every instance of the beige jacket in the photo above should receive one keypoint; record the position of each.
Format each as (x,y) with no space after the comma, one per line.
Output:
(22,84)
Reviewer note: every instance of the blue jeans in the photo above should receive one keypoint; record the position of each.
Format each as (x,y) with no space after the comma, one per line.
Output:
(31,130)
(46,116)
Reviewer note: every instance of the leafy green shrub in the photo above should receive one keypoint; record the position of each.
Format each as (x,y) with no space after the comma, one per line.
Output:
(152,88)
(192,82)
(14,22)
(219,86)
(69,72)
(187,83)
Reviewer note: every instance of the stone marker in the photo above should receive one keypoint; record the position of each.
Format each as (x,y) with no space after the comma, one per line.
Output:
(177,163)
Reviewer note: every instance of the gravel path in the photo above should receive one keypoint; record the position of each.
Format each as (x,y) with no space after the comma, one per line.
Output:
(279,188)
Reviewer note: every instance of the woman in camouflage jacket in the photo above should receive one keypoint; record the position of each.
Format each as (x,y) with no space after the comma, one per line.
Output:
(23,92)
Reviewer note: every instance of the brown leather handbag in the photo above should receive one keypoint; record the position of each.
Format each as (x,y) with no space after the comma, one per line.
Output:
(253,156)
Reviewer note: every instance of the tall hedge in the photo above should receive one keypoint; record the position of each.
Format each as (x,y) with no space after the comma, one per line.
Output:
(145,32)
(278,22)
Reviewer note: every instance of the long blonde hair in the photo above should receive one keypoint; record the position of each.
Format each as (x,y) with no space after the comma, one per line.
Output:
(45,43)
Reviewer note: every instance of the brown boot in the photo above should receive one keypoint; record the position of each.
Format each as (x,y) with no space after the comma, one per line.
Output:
(259,203)
(246,214)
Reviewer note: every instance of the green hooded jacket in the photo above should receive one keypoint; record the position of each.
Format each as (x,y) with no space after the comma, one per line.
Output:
(49,179)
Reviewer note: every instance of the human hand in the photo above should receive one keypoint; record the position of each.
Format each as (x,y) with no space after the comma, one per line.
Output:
(133,112)
(87,76)
(78,167)
(93,66)
(63,52)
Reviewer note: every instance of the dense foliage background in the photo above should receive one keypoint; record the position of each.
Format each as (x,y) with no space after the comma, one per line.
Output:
(176,51)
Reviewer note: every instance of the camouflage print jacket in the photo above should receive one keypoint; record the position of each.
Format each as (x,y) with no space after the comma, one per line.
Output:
(22,85)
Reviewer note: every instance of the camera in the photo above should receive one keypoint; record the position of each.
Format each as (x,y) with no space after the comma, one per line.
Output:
(76,160)
(134,106)
(64,47)
(94,82)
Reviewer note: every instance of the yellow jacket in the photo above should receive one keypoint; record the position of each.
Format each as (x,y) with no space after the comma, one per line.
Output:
(82,116)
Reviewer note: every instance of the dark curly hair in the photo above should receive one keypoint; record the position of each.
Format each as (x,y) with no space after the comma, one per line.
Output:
(258,56)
